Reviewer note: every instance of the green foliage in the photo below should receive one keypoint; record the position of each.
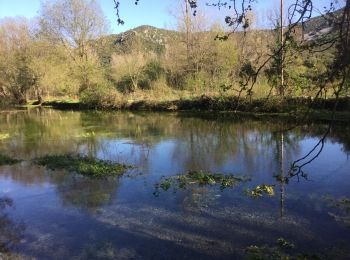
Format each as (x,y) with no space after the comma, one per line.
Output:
(153,70)
(176,79)
(101,95)
(260,190)
(199,178)
(125,84)
(148,74)
(86,166)
(138,59)
(6,160)
(16,75)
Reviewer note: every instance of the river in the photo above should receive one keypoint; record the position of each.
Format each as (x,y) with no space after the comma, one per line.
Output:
(48,214)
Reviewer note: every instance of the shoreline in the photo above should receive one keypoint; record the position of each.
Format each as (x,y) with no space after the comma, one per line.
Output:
(290,109)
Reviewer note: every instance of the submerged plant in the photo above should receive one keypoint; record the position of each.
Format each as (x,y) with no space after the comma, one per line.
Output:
(285,250)
(260,190)
(285,244)
(343,207)
(197,178)
(6,160)
(10,231)
(281,250)
(83,165)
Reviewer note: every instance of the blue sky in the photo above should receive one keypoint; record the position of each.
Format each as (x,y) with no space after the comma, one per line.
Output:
(150,12)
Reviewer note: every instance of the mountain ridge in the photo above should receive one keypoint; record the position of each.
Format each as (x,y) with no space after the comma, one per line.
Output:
(155,39)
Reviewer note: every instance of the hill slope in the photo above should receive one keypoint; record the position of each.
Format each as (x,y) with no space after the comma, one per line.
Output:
(154,39)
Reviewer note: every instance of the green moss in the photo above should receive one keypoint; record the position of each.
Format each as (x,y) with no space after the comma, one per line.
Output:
(6,160)
(87,166)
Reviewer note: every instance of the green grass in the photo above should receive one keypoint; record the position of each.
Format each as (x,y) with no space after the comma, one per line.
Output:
(6,160)
(83,165)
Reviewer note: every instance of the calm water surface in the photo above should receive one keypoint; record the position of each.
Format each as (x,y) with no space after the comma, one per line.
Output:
(56,214)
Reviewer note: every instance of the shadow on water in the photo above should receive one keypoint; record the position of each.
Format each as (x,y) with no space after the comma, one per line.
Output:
(10,231)
(68,215)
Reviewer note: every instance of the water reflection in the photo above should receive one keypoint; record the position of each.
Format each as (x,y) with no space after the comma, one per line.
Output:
(10,231)
(69,215)
(85,193)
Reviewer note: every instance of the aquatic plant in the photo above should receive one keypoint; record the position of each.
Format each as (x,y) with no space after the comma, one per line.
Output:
(264,253)
(343,207)
(197,178)
(260,190)
(83,165)
(283,243)
(6,160)
(284,250)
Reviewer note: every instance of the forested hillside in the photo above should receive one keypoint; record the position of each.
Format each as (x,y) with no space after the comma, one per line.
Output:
(71,57)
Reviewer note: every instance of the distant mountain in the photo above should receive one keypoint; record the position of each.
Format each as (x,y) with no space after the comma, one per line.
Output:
(149,37)
(320,25)
(155,39)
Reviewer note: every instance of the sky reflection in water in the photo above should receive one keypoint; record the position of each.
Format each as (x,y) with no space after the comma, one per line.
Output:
(57,214)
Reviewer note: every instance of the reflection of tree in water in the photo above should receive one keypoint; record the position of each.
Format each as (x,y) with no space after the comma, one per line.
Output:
(85,193)
(204,145)
(37,132)
(247,140)
(10,232)
(199,142)
(25,173)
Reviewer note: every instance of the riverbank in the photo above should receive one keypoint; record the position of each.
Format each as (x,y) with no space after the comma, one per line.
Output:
(290,109)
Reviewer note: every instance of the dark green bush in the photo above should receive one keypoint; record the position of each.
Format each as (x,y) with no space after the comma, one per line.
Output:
(125,84)
(100,96)
(150,73)
(176,79)
(153,71)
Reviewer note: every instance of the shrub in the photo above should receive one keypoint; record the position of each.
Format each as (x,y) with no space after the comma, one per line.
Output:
(101,96)
(125,84)
(153,71)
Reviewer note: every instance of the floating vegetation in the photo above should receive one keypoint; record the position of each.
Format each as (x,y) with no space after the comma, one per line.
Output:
(279,251)
(285,244)
(284,249)
(264,253)
(6,160)
(197,178)
(260,190)
(83,165)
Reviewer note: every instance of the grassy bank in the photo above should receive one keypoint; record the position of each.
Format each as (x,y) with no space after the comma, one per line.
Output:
(292,108)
